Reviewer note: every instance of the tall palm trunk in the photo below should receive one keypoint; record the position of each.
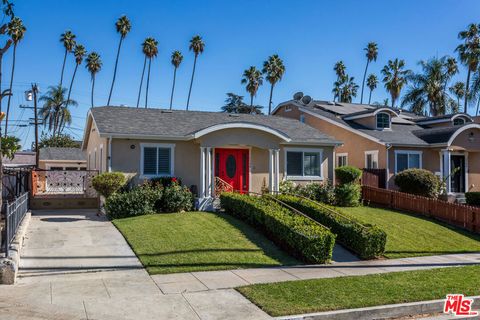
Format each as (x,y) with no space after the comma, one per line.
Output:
(251,103)
(370,96)
(191,81)
(363,82)
(173,86)
(141,81)
(63,66)
(465,108)
(115,70)
(478,106)
(71,82)
(148,82)
(270,100)
(10,87)
(93,87)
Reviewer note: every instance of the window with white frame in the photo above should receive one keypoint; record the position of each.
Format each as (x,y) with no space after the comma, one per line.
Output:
(371,159)
(303,163)
(383,120)
(406,159)
(342,159)
(458,121)
(157,160)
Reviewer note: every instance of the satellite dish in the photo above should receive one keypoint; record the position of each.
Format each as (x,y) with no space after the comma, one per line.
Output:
(297,96)
(306,99)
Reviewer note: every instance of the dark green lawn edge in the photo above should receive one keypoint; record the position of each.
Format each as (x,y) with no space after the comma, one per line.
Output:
(318,295)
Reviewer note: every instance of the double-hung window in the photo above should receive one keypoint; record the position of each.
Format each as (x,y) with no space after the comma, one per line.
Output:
(405,159)
(303,164)
(371,159)
(157,160)
(342,159)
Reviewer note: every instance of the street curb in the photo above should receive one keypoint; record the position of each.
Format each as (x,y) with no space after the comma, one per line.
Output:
(377,312)
(9,266)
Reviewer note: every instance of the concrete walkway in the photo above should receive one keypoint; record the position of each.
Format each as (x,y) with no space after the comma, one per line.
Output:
(76,265)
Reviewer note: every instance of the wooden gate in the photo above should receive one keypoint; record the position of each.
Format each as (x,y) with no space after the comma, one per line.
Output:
(374,178)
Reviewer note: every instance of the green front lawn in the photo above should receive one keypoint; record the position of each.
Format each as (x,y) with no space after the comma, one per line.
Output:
(306,296)
(411,235)
(198,241)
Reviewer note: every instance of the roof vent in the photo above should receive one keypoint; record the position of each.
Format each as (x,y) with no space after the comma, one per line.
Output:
(306,99)
(297,96)
(167,111)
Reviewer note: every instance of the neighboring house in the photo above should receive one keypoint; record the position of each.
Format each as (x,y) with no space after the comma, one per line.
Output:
(21,159)
(52,158)
(394,139)
(205,149)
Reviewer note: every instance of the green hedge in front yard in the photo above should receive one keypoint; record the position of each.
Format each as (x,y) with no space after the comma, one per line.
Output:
(473,198)
(297,234)
(367,241)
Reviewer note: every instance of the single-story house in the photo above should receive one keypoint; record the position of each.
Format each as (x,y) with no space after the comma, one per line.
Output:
(395,139)
(65,159)
(207,150)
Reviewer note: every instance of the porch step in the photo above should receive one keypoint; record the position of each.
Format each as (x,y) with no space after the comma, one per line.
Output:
(208,204)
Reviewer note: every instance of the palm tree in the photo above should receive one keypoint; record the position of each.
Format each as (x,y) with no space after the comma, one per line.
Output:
(79,52)
(371,54)
(197,46)
(176,60)
(394,78)
(94,64)
(151,50)
(348,89)
(469,54)
(458,90)
(339,69)
(273,69)
(68,40)
(253,79)
(428,87)
(54,111)
(16,31)
(123,28)
(372,83)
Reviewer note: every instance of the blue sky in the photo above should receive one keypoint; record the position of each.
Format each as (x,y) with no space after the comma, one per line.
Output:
(310,36)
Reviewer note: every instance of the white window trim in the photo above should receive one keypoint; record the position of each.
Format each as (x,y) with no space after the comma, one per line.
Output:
(389,121)
(373,153)
(158,145)
(338,155)
(303,178)
(408,152)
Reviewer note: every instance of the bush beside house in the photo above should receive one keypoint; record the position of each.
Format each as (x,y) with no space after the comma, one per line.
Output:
(367,241)
(108,183)
(300,236)
(418,181)
(473,198)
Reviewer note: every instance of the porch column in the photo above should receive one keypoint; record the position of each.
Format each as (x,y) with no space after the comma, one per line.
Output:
(271,164)
(276,179)
(201,187)
(208,186)
(446,169)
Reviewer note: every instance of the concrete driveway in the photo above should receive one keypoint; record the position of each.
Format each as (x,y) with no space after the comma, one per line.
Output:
(76,265)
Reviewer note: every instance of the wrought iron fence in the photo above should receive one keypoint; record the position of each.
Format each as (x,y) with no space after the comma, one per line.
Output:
(63,182)
(15,212)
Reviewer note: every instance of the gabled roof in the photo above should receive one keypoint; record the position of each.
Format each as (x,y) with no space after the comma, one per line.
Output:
(62,154)
(126,122)
(21,158)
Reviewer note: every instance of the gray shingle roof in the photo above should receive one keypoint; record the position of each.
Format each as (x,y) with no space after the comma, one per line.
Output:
(437,135)
(67,154)
(126,121)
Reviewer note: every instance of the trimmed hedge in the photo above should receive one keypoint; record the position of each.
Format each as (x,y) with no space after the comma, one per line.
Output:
(108,183)
(348,195)
(418,181)
(348,174)
(139,201)
(473,198)
(300,236)
(367,241)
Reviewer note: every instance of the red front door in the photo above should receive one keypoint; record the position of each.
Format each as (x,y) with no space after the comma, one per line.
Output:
(231,165)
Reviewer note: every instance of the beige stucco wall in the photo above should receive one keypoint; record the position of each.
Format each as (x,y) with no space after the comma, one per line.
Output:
(95,143)
(462,140)
(369,122)
(353,144)
(474,171)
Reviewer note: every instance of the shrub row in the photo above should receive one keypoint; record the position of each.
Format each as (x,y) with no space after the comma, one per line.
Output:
(473,198)
(367,241)
(297,234)
(147,199)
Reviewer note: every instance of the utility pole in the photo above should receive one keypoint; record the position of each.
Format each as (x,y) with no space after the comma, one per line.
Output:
(29,96)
